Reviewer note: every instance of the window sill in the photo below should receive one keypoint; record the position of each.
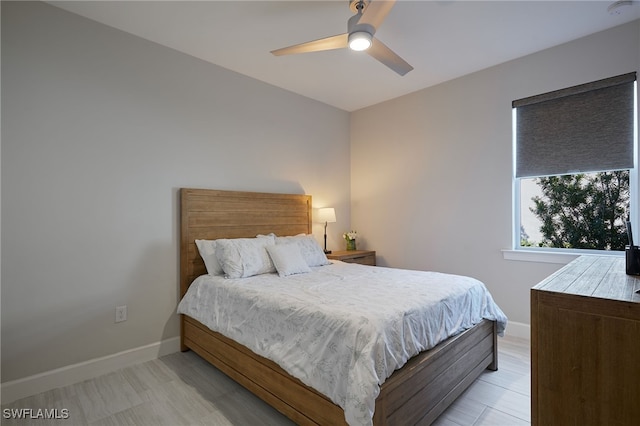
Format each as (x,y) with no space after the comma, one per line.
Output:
(550,256)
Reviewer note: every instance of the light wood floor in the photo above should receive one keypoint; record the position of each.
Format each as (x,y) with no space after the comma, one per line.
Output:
(182,389)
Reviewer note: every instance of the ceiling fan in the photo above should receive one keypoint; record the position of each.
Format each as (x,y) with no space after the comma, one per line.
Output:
(360,30)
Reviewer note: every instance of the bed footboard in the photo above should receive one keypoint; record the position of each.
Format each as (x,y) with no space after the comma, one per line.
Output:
(415,394)
(421,390)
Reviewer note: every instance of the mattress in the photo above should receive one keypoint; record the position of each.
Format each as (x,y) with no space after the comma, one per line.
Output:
(343,328)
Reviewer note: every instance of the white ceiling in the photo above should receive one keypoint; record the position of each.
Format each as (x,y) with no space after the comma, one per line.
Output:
(442,39)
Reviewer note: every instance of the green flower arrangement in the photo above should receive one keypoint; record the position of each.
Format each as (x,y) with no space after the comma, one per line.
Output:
(350,238)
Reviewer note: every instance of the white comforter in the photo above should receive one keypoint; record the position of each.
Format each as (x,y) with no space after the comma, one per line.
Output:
(343,328)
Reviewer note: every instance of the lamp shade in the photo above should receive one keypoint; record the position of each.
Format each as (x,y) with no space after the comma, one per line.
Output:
(327,215)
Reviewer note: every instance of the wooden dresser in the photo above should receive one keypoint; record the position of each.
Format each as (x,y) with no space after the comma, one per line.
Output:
(585,345)
(364,257)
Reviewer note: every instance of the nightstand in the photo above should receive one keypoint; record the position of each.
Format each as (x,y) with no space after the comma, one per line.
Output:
(363,257)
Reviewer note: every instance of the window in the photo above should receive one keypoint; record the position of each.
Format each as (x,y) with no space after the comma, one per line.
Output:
(574,175)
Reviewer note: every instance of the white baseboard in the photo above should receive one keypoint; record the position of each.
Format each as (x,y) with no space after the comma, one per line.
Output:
(79,372)
(519,330)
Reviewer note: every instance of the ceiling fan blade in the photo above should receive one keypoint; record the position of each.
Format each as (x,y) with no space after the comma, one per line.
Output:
(388,57)
(328,43)
(375,12)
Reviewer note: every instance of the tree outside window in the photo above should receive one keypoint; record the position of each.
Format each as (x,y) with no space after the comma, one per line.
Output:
(579,211)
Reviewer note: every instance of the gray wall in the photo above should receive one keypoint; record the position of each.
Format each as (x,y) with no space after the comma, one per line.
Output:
(431,171)
(99,130)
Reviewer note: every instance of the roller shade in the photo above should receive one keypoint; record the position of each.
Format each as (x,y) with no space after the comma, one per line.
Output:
(584,128)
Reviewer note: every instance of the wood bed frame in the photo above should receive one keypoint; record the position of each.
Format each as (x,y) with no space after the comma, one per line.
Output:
(415,394)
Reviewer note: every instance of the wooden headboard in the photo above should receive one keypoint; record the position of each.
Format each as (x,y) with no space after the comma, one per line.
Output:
(208,214)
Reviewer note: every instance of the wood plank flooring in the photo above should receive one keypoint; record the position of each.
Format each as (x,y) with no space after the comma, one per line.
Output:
(182,389)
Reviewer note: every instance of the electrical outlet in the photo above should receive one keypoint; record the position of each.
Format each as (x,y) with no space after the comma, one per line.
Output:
(121,313)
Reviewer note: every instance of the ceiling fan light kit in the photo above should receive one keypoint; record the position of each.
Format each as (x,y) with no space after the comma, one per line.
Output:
(360,40)
(361,28)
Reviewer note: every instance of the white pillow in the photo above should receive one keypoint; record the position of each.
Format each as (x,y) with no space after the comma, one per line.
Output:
(244,257)
(207,249)
(287,259)
(311,251)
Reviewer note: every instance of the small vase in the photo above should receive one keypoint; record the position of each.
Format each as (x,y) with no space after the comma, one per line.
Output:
(351,244)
